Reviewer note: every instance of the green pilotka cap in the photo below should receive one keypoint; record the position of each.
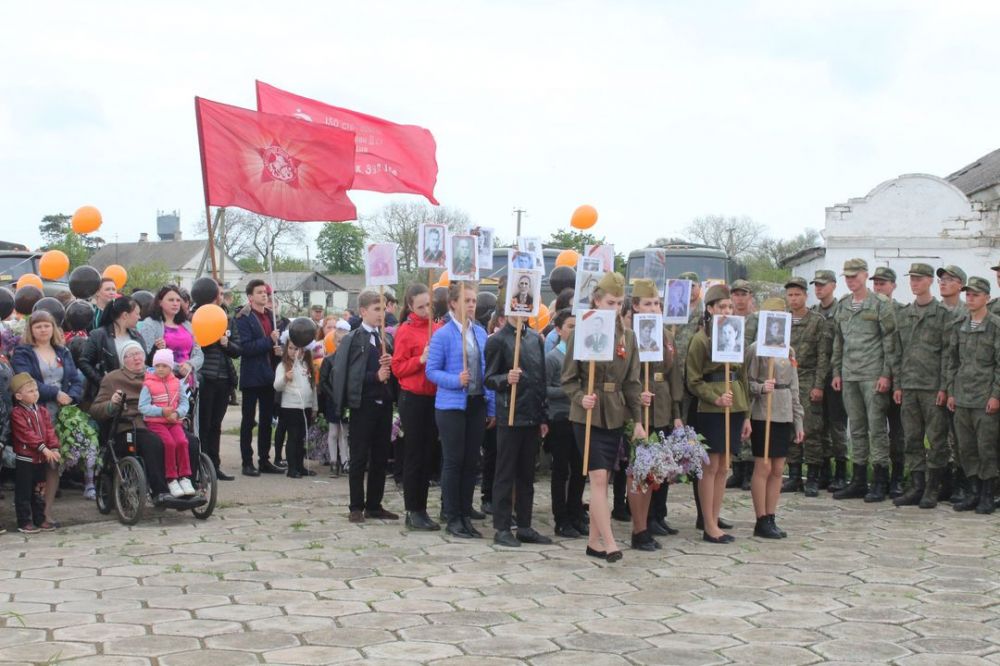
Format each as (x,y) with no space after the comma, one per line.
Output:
(643,288)
(977,283)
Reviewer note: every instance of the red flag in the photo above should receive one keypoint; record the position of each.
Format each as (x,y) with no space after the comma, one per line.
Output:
(389,158)
(275,165)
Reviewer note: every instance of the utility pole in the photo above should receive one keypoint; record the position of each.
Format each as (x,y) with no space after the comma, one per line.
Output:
(519,212)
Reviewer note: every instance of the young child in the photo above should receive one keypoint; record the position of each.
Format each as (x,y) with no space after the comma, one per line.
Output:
(163,403)
(337,442)
(294,379)
(35,446)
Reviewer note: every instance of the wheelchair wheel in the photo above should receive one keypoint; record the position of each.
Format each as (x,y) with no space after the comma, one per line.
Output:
(103,485)
(130,490)
(208,485)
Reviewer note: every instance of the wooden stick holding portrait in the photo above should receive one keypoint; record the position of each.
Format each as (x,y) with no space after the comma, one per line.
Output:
(770,399)
(517,364)
(729,387)
(590,414)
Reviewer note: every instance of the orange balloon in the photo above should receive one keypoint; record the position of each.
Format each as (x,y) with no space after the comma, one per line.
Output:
(53,265)
(329,343)
(29,279)
(116,273)
(209,324)
(86,219)
(568,258)
(584,217)
(542,320)
(444,280)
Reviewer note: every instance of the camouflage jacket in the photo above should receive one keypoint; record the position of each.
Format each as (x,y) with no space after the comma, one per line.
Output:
(811,340)
(864,340)
(827,314)
(750,323)
(974,362)
(686,332)
(924,334)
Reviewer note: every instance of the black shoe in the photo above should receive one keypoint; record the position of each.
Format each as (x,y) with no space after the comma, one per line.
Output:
(915,493)
(838,482)
(959,487)
(985,505)
(470,528)
(824,475)
(699,524)
(614,556)
(293,474)
(735,479)
(621,514)
(567,531)
(476,515)
(662,522)
(793,484)
(782,532)
(222,476)
(932,489)
(857,488)
(896,481)
(306,472)
(506,538)
(971,499)
(725,538)
(250,470)
(764,529)
(266,467)
(281,464)
(531,535)
(599,554)
(381,514)
(419,520)
(879,489)
(487,508)
(811,488)
(654,528)
(456,528)
(643,541)
(581,525)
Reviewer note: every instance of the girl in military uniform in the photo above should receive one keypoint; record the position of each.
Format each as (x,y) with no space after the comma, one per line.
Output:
(786,425)
(707,381)
(616,398)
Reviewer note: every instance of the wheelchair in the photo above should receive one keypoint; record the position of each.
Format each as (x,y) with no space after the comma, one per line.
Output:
(121,482)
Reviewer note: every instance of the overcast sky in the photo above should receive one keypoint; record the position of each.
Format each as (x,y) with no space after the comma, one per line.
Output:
(653,112)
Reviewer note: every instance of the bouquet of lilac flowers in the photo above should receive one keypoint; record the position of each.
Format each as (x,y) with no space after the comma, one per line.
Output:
(316,441)
(397,427)
(660,459)
(10,335)
(687,452)
(78,438)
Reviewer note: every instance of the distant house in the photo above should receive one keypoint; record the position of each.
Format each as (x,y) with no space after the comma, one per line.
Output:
(915,218)
(297,290)
(185,259)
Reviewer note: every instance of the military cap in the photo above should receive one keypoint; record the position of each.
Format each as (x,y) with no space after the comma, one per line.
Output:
(643,288)
(953,271)
(995,268)
(977,283)
(775,304)
(19,381)
(884,273)
(799,282)
(854,266)
(824,277)
(740,285)
(689,275)
(613,284)
(921,270)
(716,292)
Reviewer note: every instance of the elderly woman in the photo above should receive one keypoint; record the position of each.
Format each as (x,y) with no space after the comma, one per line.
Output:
(120,389)
(43,355)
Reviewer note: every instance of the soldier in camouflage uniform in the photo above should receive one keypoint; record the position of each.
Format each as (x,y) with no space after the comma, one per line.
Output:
(834,437)
(951,279)
(924,330)
(743,305)
(863,357)
(974,395)
(884,282)
(811,343)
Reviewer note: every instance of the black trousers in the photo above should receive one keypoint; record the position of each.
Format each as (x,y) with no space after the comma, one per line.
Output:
(514,481)
(416,414)
(567,472)
(296,423)
(368,440)
(29,497)
(489,463)
(213,402)
(658,502)
(896,442)
(257,402)
(462,433)
(149,447)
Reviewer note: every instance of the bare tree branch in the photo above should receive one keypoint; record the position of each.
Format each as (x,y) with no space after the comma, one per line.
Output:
(399,222)
(736,235)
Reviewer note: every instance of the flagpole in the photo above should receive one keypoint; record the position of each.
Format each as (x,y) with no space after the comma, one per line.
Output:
(204,182)
(270,275)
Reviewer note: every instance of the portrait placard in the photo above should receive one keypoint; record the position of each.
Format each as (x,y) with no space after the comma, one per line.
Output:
(431,246)
(484,246)
(605,252)
(774,334)
(532,245)
(517,260)
(594,337)
(462,257)
(677,302)
(655,269)
(380,264)
(524,293)
(727,338)
(588,274)
(648,329)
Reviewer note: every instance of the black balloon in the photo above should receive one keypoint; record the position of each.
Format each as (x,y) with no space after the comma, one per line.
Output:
(204,290)
(25,299)
(145,300)
(562,277)
(53,307)
(440,302)
(84,281)
(79,316)
(6,302)
(302,331)
(486,303)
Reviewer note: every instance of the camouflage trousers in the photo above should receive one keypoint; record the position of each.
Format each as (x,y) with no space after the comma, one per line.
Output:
(977,439)
(867,410)
(922,419)
(834,437)
(811,451)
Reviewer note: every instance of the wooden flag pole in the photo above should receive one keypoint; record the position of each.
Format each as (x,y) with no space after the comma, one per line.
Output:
(461,319)
(519,322)
(767,423)
(645,421)
(430,315)
(590,413)
(728,409)
(381,296)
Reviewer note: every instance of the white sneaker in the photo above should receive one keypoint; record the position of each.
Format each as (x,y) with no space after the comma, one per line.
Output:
(174,489)
(187,487)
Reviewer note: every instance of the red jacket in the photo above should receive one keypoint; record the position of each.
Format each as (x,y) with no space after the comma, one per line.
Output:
(32,433)
(411,338)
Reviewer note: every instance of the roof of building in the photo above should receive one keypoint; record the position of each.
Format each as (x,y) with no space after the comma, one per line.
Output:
(173,254)
(309,281)
(979,175)
(802,256)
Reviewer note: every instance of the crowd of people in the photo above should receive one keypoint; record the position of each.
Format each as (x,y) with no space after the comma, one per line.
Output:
(477,398)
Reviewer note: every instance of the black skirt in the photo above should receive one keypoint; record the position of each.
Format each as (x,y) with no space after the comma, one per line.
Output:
(781,437)
(712,426)
(603,445)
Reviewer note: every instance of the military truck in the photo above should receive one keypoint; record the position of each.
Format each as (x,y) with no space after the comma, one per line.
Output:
(16,260)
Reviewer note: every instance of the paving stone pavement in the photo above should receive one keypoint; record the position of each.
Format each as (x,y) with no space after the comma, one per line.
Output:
(295,583)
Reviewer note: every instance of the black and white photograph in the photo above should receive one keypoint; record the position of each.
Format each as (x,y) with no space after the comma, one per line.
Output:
(524,293)
(380,264)
(677,302)
(431,246)
(517,260)
(727,338)
(532,245)
(594,336)
(655,269)
(462,257)
(649,334)
(588,274)
(774,334)
(484,246)
(604,252)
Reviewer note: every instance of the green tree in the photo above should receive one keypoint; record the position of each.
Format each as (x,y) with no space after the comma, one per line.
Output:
(566,239)
(54,229)
(341,247)
(72,244)
(150,276)
(399,223)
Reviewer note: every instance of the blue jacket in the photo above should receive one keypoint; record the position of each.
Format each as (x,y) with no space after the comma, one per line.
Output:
(24,359)
(444,365)
(257,359)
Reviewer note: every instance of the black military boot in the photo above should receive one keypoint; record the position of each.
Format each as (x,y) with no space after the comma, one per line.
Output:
(896,481)
(912,496)
(747,476)
(824,475)
(812,481)
(765,529)
(793,484)
(959,485)
(971,496)
(880,486)
(839,480)
(944,489)
(857,488)
(735,479)
(985,505)
(930,498)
